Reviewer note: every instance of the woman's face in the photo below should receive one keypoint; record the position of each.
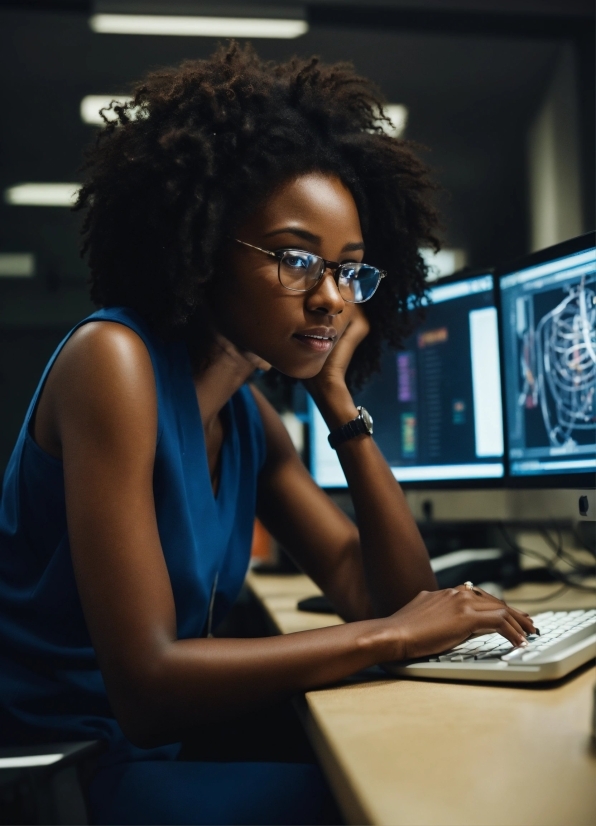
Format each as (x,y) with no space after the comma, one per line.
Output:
(313,212)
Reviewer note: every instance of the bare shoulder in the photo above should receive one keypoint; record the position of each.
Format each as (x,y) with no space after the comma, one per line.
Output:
(103,378)
(103,343)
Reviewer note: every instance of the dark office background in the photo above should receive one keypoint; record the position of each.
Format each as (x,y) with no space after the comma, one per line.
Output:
(501,93)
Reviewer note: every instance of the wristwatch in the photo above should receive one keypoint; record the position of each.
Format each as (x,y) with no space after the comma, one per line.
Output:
(362,424)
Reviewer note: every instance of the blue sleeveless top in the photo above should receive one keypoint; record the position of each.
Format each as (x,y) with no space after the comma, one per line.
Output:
(51,688)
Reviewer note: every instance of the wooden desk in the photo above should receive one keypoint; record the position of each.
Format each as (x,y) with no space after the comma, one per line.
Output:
(408,752)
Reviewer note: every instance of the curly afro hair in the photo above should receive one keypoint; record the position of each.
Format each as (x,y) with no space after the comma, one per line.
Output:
(199,145)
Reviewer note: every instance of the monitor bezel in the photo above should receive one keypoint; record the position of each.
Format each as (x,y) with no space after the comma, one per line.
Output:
(555,480)
(445,484)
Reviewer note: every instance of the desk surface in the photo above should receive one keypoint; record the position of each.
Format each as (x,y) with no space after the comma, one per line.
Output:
(413,752)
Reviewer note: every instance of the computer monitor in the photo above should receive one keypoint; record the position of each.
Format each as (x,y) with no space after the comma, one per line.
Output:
(436,403)
(548,315)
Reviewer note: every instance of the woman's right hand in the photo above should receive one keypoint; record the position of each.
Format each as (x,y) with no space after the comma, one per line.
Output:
(435,621)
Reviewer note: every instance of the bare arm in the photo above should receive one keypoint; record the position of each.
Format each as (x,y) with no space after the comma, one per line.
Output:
(393,554)
(104,406)
(371,569)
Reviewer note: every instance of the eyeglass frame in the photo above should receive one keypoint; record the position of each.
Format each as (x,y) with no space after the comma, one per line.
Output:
(334,266)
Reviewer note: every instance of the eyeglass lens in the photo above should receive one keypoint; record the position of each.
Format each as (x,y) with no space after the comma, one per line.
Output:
(300,271)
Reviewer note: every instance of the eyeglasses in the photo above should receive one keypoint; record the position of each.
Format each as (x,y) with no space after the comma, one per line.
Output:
(301,271)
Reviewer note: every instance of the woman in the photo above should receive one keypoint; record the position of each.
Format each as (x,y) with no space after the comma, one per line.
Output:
(239,215)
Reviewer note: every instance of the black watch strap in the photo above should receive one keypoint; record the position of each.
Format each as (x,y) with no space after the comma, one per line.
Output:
(361,425)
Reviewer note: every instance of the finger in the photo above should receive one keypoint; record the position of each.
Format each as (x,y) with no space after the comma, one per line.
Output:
(521,617)
(526,622)
(513,620)
(489,598)
(501,622)
(479,592)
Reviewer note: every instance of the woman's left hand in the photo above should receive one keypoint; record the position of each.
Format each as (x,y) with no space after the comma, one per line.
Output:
(335,368)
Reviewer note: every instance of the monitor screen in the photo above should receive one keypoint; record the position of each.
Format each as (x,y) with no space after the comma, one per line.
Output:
(436,404)
(549,364)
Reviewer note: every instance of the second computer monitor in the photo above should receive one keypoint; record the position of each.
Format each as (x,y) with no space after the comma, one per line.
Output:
(549,347)
(436,404)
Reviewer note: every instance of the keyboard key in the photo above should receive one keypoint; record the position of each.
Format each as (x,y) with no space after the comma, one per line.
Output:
(514,655)
(530,655)
(563,642)
(495,654)
(474,646)
(489,646)
(561,630)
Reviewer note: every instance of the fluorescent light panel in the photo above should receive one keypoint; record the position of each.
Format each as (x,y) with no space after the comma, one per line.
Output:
(33,194)
(398,115)
(444,262)
(199,26)
(29,761)
(91,104)
(17,265)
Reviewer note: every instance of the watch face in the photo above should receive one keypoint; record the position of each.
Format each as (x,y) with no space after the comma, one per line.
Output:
(366,418)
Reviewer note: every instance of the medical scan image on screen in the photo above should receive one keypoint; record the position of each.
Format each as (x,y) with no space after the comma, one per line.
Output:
(436,404)
(549,314)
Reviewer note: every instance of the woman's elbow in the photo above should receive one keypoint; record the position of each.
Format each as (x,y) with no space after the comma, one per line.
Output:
(139,701)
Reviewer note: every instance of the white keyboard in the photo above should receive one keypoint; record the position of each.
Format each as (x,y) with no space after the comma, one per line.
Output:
(567,640)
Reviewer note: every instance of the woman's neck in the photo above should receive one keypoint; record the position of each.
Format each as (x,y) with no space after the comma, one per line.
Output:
(224,373)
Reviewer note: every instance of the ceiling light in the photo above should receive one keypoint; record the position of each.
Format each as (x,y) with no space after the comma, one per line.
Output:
(62,195)
(17,264)
(91,104)
(29,760)
(196,26)
(398,115)
(444,262)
